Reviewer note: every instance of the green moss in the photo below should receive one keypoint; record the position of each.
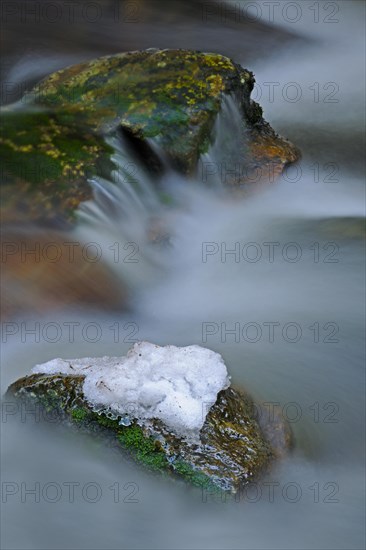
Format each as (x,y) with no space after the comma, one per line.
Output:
(41,147)
(79,415)
(46,163)
(193,476)
(145,449)
(106,422)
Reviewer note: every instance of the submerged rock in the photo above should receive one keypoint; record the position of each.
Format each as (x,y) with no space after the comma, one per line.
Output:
(57,136)
(47,271)
(338,229)
(171,409)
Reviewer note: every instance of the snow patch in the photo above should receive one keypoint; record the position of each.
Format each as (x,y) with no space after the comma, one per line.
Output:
(175,385)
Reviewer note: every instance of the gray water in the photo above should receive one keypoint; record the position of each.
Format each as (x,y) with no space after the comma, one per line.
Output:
(311,292)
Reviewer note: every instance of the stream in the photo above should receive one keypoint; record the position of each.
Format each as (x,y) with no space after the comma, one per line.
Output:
(273,282)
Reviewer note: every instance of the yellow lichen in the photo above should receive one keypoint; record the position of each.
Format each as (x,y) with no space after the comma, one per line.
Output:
(216,84)
(16,148)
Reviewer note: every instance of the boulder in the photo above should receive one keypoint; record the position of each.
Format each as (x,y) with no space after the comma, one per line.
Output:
(162,102)
(170,409)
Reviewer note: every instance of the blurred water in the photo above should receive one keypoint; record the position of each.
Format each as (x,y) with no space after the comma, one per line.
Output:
(312,366)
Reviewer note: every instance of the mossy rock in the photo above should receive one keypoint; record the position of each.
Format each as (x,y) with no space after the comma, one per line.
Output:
(46,161)
(55,137)
(233,448)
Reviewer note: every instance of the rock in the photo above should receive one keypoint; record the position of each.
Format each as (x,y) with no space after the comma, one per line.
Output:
(334,230)
(56,137)
(46,160)
(228,448)
(43,271)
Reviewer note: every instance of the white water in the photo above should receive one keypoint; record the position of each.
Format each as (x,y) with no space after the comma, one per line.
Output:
(180,299)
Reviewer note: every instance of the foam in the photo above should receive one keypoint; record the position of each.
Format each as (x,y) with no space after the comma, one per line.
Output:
(175,385)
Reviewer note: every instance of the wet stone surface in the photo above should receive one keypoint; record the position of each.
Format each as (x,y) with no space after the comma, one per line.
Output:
(55,138)
(233,448)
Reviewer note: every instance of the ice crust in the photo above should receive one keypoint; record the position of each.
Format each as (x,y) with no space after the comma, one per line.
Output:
(176,385)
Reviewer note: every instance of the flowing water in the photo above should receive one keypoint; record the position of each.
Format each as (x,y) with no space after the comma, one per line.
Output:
(275,283)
